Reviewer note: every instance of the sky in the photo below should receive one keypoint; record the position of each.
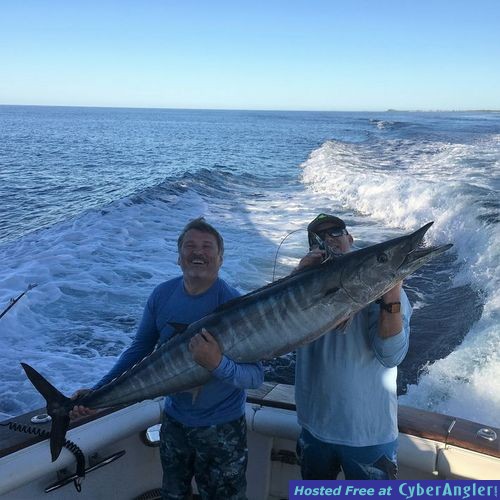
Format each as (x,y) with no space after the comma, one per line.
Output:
(350,55)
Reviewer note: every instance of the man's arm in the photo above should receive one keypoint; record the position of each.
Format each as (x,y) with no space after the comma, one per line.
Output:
(391,324)
(143,343)
(206,352)
(390,336)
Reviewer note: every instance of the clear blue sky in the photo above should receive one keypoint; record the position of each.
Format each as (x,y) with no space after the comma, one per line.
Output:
(272,54)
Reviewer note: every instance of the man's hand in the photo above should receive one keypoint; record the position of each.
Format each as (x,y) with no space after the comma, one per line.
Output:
(315,256)
(205,350)
(79,411)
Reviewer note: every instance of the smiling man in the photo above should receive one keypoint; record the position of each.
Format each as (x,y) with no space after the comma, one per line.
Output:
(203,434)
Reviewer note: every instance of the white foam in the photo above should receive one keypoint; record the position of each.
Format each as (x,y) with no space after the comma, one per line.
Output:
(95,272)
(433,183)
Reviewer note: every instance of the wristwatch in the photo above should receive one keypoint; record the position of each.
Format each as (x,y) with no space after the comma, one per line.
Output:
(391,307)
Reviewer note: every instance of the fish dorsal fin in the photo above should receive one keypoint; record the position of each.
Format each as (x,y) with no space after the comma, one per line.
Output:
(243,299)
(178,327)
(227,305)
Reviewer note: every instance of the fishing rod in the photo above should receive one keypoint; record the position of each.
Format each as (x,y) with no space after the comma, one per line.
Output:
(13,301)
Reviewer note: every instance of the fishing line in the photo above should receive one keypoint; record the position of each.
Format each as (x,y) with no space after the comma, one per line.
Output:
(330,254)
(278,249)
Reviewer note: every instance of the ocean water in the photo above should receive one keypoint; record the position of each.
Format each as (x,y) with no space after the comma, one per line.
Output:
(93,199)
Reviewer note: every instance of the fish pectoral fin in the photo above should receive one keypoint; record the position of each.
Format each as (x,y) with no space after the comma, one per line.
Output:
(342,325)
(331,291)
(313,301)
(178,327)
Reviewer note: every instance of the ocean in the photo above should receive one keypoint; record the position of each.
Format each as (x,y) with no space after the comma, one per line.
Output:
(93,199)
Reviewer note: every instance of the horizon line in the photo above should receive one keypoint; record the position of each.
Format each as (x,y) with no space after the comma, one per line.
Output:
(389,110)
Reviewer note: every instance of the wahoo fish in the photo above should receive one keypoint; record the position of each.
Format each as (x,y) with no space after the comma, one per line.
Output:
(268,322)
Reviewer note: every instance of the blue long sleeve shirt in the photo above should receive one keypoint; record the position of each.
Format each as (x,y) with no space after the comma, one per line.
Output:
(222,398)
(345,382)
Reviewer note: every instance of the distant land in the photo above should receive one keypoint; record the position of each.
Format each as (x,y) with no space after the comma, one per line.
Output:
(442,111)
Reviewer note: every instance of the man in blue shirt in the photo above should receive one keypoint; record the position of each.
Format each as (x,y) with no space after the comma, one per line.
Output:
(345,382)
(203,434)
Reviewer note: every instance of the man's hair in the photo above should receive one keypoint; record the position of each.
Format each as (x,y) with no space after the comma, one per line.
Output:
(201,225)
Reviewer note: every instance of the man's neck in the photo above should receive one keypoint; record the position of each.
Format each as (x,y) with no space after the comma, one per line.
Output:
(197,287)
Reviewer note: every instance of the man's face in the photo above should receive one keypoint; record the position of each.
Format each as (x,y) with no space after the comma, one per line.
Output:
(199,256)
(339,244)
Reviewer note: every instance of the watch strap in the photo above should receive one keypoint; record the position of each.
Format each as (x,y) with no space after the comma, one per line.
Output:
(390,307)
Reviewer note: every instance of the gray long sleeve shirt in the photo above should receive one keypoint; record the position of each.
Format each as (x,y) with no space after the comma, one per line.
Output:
(345,382)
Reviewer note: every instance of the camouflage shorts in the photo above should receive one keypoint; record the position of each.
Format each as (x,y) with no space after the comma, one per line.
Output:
(215,455)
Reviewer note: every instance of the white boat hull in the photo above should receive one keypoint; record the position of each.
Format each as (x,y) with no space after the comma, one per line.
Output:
(272,435)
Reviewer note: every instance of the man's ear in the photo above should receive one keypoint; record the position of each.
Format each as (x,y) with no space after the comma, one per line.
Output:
(179,260)
(351,239)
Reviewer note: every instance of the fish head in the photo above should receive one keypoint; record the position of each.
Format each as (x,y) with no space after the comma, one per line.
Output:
(368,273)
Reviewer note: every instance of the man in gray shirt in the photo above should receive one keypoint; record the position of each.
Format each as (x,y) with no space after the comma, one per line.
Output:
(345,382)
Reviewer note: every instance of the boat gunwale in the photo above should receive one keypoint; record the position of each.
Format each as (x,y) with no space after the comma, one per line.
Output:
(411,421)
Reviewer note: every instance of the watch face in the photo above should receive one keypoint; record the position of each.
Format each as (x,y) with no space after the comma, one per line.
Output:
(392,307)
(395,307)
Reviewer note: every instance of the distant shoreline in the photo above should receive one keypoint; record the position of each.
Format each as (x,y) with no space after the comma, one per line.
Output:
(442,111)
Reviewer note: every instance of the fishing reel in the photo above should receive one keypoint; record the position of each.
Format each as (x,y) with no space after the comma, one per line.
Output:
(317,242)
(330,253)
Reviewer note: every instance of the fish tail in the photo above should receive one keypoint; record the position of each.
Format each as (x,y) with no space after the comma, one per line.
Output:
(58,407)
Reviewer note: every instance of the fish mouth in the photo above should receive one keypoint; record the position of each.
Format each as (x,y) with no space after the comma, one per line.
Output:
(419,256)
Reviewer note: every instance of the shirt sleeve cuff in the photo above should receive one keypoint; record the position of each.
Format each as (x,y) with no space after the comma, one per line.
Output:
(224,368)
(393,344)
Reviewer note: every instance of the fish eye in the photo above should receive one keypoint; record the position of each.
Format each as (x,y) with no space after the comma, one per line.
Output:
(382,258)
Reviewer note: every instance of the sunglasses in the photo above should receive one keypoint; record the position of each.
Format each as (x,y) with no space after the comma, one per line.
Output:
(333,232)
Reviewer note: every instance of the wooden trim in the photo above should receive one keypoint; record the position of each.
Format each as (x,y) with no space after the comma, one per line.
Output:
(412,421)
